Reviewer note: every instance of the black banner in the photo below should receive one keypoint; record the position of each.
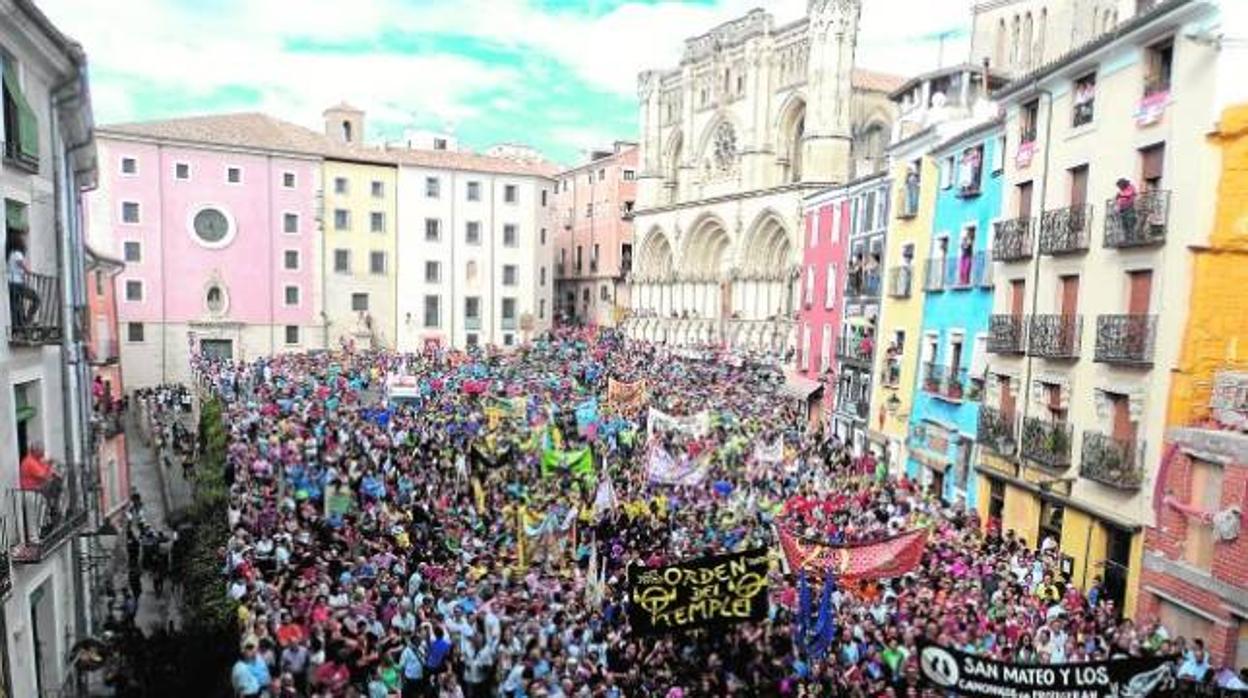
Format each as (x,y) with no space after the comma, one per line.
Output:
(706,592)
(969,675)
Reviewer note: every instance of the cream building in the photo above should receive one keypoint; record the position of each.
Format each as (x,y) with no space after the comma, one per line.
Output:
(753,119)
(1018,36)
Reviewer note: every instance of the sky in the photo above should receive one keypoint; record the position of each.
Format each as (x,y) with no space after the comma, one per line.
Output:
(560,75)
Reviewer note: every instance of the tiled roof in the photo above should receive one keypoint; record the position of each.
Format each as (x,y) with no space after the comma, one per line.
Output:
(264,132)
(875,81)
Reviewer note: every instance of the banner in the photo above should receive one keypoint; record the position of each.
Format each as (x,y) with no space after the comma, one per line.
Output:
(578,463)
(769,453)
(706,592)
(623,395)
(969,675)
(696,425)
(850,563)
(663,468)
(586,414)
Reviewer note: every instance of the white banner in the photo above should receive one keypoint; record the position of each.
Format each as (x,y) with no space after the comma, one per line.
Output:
(697,425)
(665,469)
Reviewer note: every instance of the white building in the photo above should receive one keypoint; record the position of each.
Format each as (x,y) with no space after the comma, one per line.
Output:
(475,249)
(49,158)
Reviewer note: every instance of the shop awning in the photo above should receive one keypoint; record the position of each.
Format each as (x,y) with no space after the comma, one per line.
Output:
(800,388)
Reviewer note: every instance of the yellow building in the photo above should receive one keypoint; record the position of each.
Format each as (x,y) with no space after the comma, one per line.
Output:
(360,222)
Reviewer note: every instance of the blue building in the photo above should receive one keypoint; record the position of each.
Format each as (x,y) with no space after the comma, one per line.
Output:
(957,286)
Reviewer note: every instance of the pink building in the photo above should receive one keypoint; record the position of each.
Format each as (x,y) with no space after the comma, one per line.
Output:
(823,275)
(594,238)
(225,209)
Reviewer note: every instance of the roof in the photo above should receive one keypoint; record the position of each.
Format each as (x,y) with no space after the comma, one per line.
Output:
(343,106)
(875,81)
(969,133)
(263,132)
(799,387)
(1140,20)
(908,85)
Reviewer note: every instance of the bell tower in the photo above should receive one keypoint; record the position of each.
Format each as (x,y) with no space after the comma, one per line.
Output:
(344,124)
(833,35)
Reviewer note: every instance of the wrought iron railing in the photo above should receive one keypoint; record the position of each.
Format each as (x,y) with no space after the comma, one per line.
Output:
(1139,223)
(854,350)
(1012,239)
(472,322)
(1065,230)
(863,285)
(996,430)
(946,382)
(43,519)
(934,274)
(1112,461)
(1054,336)
(35,310)
(1005,334)
(1125,339)
(899,281)
(1046,442)
(968,271)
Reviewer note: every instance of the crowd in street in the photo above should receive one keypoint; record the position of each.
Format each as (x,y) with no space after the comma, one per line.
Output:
(422,547)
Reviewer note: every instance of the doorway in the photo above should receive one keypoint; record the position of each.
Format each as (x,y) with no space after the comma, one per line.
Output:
(43,636)
(217,348)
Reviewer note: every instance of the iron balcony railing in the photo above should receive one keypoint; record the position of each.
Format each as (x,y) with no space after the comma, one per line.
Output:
(1140,223)
(899,281)
(43,519)
(946,382)
(934,274)
(1005,334)
(1112,461)
(996,430)
(472,322)
(1125,339)
(508,323)
(854,350)
(908,200)
(35,310)
(1012,239)
(864,285)
(108,424)
(1054,336)
(1046,442)
(1065,230)
(890,373)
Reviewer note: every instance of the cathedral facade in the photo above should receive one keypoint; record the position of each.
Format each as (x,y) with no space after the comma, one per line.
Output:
(755,118)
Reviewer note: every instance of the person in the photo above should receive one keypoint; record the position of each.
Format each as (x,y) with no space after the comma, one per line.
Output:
(912,190)
(1195,663)
(243,678)
(23,300)
(38,474)
(966,258)
(1124,207)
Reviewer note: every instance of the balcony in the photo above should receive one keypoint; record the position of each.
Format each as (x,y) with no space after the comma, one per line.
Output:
(1005,334)
(1046,443)
(947,383)
(996,430)
(899,281)
(1140,224)
(890,373)
(1012,239)
(934,274)
(44,519)
(472,323)
(1065,230)
(968,271)
(1125,339)
(507,323)
(35,311)
(1112,461)
(908,201)
(855,351)
(1054,336)
(104,351)
(108,424)
(863,285)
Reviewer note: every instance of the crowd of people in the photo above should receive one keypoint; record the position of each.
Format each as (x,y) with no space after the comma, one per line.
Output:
(426,546)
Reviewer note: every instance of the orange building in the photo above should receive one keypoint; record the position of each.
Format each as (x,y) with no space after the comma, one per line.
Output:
(108,419)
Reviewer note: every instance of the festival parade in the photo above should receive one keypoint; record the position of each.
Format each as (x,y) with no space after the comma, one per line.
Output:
(624,349)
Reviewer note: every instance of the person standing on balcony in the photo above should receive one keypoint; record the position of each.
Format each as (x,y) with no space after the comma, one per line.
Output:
(37,474)
(966,258)
(1124,204)
(23,300)
(912,190)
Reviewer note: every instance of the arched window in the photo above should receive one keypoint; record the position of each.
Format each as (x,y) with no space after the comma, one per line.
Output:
(1044,20)
(724,147)
(346,131)
(998,53)
(795,146)
(1026,45)
(1014,43)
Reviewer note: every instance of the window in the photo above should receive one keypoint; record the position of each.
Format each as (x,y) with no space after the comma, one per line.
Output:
(292,334)
(510,274)
(474,191)
(510,238)
(181,170)
(433,230)
(129,212)
(1158,62)
(134,290)
(342,261)
(1084,100)
(342,219)
(604,293)
(946,173)
(808,292)
(825,348)
(806,347)
(1152,165)
(629,175)
(541,309)
(377,262)
(21,123)
(589,210)
(359,302)
(290,260)
(433,272)
(378,189)
(471,339)
(288,180)
(472,234)
(292,295)
(377,222)
(1028,121)
(543,236)
(439,144)
(340,185)
(472,307)
(998,155)
(509,339)
(290,223)
(602,175)
(543,197)
(509,194)
(971,171)
(433,311)
(134,332)
(132,251)
(509,309)
(233,175)
(542,276)
(1206,495)
(829,287)
(129,166)
(433,187)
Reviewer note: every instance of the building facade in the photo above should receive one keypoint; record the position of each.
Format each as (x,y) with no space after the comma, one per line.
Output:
(475,249)
(1100,222)
(823,279)
(957,300)
(216,219)
(755,118)
(594,210)
(48,161)
(108,430)
(1018,36)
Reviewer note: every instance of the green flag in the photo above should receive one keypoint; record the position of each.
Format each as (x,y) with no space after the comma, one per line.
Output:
(579,463)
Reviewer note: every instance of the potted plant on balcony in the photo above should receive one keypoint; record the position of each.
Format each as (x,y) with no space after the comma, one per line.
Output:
(1057,442)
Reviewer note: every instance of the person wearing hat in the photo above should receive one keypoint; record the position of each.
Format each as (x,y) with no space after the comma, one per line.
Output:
(245,678)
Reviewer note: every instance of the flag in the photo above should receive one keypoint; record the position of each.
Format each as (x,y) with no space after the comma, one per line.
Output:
(892,557)
(578,463)
(586,414)
(769,453)
(664,469)
(604,499)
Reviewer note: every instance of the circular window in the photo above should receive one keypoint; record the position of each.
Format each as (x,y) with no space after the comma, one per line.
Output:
(212,227)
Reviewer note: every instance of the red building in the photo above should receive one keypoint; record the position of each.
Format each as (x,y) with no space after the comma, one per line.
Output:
(108,419)
(823,275)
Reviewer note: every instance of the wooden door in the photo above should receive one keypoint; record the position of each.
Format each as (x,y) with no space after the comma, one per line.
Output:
(1139,291)
(1069,298)
(1018,291)
(1124,428)
(1024,200)
(1078,186)
(1007,397)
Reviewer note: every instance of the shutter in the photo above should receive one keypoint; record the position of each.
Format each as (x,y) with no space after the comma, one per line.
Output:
(15,215)
(1151,161)
(27,137)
